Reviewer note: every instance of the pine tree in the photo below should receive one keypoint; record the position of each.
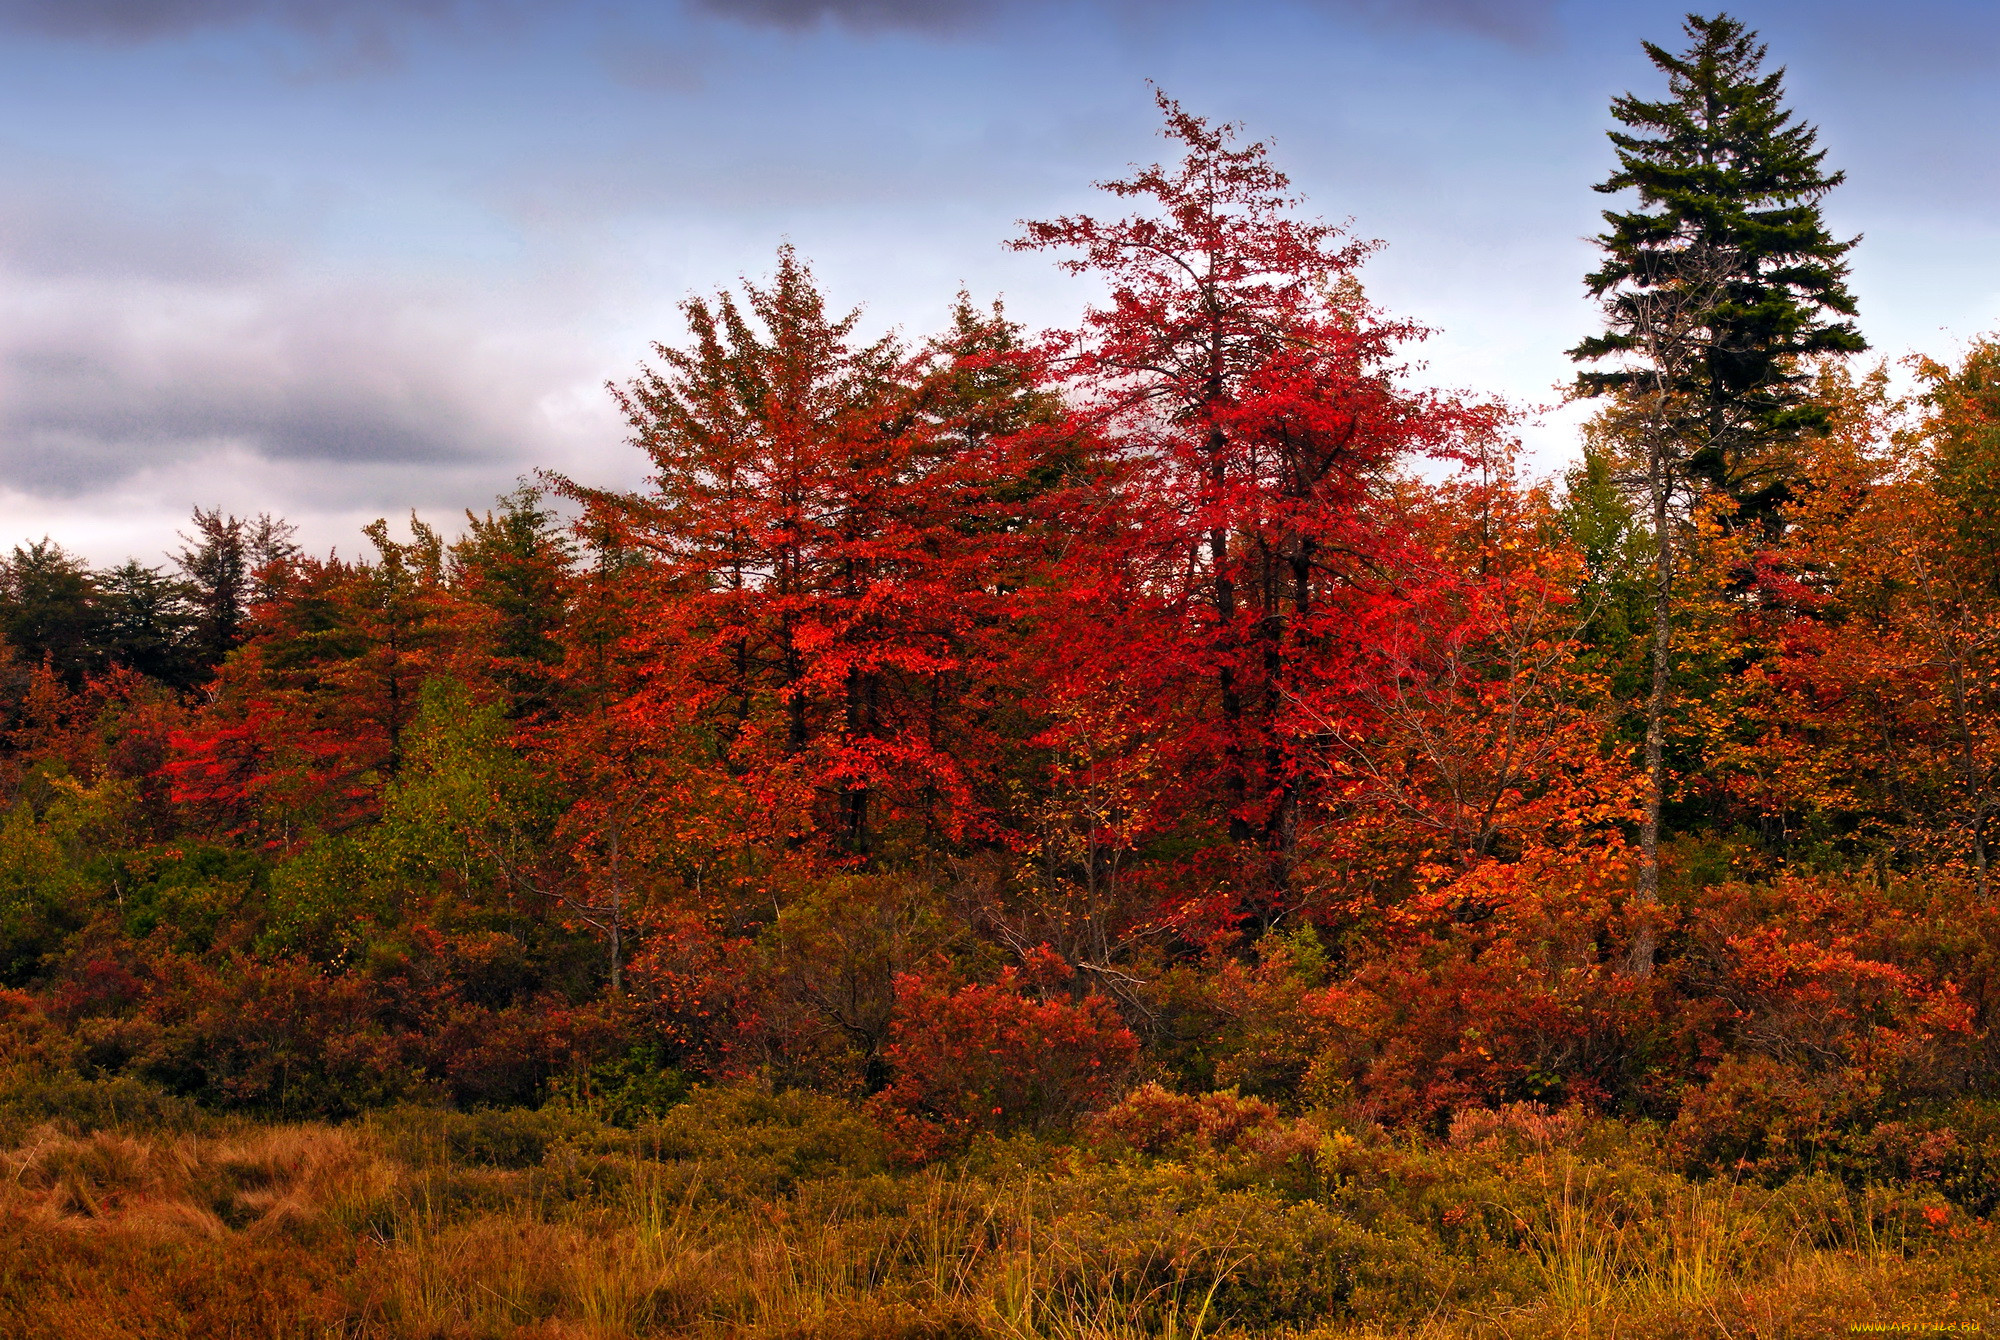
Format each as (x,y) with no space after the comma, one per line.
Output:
(146,623)
(51,610)
(227,566)
(1728,216)
(517,563)
(1718,290)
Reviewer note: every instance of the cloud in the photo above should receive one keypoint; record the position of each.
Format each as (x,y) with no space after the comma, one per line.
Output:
(145,20)
(141,364)
(370,26)
(864,15)
(1510,19)
(142,321)
(310,40)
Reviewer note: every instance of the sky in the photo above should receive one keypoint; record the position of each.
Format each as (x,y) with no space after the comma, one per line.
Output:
(342,259)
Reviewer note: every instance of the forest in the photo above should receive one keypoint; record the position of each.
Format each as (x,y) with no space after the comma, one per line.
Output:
(1165,827)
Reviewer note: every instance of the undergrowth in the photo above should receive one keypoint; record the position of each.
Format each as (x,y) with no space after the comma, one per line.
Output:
(749,1214)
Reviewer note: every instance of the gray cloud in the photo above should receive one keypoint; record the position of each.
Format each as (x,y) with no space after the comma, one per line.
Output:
(102,380)
(371,23)
(143,20)
(1512,19)
(65,221)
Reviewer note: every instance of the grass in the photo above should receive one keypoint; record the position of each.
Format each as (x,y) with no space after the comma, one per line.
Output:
(747,1215)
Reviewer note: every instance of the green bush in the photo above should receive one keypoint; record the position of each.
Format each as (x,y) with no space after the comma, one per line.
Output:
(82,1106)
(496,1138)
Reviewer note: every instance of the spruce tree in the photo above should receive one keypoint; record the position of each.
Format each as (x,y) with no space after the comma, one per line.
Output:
(51,610)
(1729,191)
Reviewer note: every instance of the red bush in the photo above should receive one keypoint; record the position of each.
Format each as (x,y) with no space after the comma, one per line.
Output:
(992,1057)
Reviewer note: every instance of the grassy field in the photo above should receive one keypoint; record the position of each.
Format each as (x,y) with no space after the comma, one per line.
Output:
(127,1214)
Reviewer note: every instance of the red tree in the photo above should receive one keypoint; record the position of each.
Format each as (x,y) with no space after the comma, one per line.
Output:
(820,567)
(1252,392)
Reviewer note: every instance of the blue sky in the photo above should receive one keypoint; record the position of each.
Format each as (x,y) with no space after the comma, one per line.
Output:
(341,258)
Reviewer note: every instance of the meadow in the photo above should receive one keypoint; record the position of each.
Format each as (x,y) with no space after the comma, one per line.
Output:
(126,1213)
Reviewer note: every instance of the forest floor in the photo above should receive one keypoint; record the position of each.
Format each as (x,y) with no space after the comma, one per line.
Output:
(126,1214)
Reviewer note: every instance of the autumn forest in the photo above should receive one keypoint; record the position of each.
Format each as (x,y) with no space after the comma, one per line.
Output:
(1164,827)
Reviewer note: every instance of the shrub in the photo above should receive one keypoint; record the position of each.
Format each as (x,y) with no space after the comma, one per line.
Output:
(1156,1247)
(82,1106)
(743,1142)
(996,1058)
(1765,1119)
(1517,1126)
(1154,1120)
(630,1089)
(498,1138)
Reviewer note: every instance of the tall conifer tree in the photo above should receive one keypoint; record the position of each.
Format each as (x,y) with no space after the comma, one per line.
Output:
(1718,289)
(1729,188)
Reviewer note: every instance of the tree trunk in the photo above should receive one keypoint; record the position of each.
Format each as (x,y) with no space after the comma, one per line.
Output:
(1645,904)
(617,917)
(1236,782)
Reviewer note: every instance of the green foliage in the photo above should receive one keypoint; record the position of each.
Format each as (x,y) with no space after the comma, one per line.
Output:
(147,621)
(1614,597)
(747,1144)
(195,897)
(628,1090)
(495,1137)
(82,1106)
(49,609)
(1965,407)
(324,902)
(1725,179)
(465,808)
(515,563)
(49,842)
(463,815)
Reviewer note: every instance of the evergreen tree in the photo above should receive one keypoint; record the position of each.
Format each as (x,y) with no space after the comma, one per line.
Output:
(146,623)
(518,563)
(227,566)
(50,610)
(216,568)
(1728,217)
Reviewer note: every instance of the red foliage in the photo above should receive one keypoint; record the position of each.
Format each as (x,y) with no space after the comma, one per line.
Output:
(250,769)
(1138,657)
(813,593)
(1250,392)
(995,1057)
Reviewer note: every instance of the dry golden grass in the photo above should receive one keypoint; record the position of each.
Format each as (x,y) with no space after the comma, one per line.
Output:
(356,1232)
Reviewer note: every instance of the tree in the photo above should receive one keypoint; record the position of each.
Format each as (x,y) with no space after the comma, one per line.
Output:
(1964,427)
(1653,421)
(1715,290)
(147,622)
(820,541)
(1878,714)
(305,721)
(1729,188)
(1484,735)
(226,566)
(50,609)
(1250,386)
(515,564)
